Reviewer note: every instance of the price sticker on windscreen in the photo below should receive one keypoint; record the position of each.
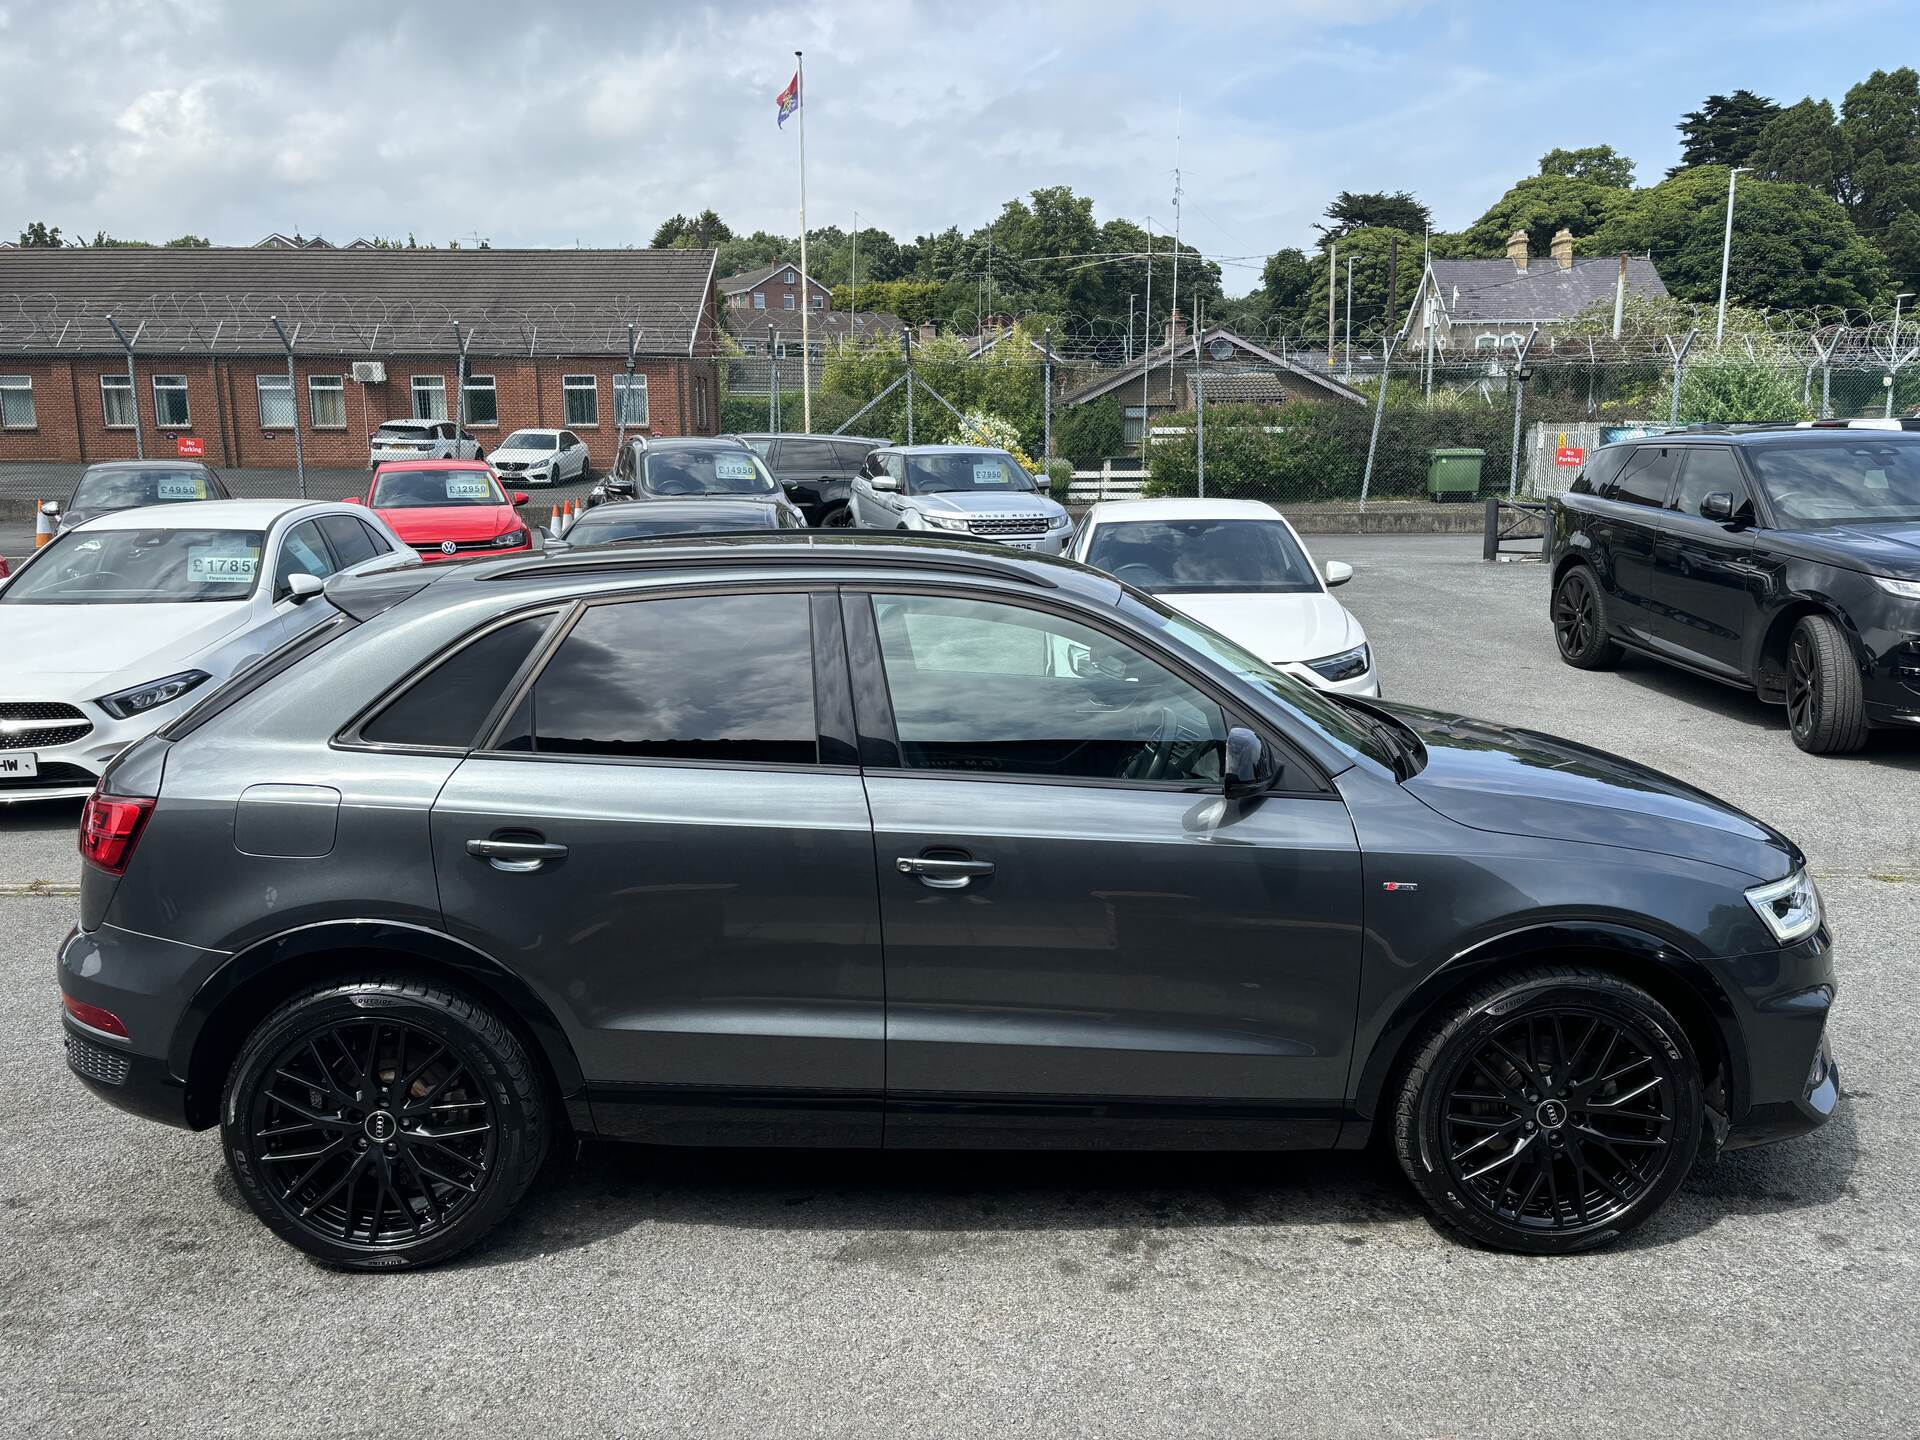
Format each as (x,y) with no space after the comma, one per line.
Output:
(467,487)
(991,472)
(208,565)
(180,487)
(731,467)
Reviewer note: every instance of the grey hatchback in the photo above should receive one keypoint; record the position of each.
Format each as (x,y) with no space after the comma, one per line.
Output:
(849,841)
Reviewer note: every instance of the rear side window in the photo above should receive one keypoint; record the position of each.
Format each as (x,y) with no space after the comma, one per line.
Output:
(1598,476)
(448,705)
(644,680)
(853,454)
(349,538)
(813,456)
(1645,478)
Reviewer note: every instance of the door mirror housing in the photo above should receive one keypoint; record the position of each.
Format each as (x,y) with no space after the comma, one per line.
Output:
(1338,573)
(354,500)
(883,481)
(1717,506)
(1244,753)
(520,498)
(302,587)
(51,507)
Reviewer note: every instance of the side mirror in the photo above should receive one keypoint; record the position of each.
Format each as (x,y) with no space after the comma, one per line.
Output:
(51,507)
(883,481)
(1717,506)
(1338,573)
(1244,752)
(302,587)
(354,500)
(520,497)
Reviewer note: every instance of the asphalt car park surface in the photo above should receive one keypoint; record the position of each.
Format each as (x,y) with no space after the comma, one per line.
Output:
(683,1292)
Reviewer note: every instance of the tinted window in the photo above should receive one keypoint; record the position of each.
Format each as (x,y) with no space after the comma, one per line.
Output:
(379,542)
(349,538)
(123,489)
(412,489)
(1709,470)
(816,457)
(1197,556)
(1601,469)
(302,552)
(728,470)
(1831,483)
(644,681)
(994,689)
(447,705)
(594,529)
(1645,478)
(853,454)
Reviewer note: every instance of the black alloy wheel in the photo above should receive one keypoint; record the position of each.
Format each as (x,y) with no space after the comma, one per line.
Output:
(1556,1111)
(838,518)
(381,1125)
(1580,622)
(1826,702)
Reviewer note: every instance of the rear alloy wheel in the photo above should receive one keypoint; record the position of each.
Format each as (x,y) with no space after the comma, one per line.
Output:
(838,518)
(1580,622)
(1826,703)
(381,1125)
(1554,1111)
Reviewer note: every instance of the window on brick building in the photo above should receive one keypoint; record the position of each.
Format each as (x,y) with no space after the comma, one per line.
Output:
(326,402)
(116,402)
(630,400)
(429,397)
(819,301)
(787,301)
(16,402)
(759,299)
(276,401)
(170,409)
(583,399)
(479,405)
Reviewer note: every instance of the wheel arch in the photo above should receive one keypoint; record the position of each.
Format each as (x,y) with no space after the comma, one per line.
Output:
(1769,666)
(1676,979)
(244,990)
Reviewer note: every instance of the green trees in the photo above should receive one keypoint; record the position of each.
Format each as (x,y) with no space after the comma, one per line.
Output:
(702,232)
(1803,145)
(1599,164)
(1370,250)
(40,236)
(1541,205)
(1375,210)
(1723,131)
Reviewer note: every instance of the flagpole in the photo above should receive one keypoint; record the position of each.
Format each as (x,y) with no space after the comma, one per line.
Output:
(806,276)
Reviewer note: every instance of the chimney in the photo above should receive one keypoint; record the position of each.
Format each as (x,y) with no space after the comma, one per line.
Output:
(1517,250)
(1176,328)
(1563,249)
(927,332)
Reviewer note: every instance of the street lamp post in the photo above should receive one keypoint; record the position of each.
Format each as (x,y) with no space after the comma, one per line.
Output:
(1726,253)
(1349,363)
(1893,350)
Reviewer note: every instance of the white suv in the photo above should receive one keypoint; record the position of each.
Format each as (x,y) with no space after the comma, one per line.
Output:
(422,440)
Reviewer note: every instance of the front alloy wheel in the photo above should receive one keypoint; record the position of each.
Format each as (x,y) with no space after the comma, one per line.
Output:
(1826,702)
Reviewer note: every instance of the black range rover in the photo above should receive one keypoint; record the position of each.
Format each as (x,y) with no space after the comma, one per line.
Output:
(1783,561)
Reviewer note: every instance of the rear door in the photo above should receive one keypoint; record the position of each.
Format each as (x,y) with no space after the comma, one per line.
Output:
(1710,594)
(667,834)
(1624,523)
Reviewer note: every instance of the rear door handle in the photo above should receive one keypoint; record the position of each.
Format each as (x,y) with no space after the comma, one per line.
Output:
(515,856)
(939,874)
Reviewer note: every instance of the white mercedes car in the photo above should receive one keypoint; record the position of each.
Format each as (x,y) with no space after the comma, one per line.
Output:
(1237,566)
(120,624)
(540,457)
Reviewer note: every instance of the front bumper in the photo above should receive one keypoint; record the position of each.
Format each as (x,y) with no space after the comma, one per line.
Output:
(433,555)
(69,771)
(1785,1081)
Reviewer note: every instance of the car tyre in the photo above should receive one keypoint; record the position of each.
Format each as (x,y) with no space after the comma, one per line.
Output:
(838,518)
(1826,701)
(383,1123)
(1579,613)
(1551,1111)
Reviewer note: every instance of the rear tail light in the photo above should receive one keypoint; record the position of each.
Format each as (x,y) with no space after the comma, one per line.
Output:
(110,827)
(94,1017)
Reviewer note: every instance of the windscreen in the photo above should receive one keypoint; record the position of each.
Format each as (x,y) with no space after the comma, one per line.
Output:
(401,430)
(125,489)
(140,567)
(1854,480)
(589,531)
(1198,557)
(707,472)
(416,489)
(531,440)
(987,471)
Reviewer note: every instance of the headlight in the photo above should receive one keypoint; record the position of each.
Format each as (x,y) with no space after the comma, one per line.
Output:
(125,704)
(1790,907)
(1905,589)
(1347,665)
(511,538)
(946,522)
(1060,521)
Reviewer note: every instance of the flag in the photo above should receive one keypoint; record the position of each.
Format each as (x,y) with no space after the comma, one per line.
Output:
(789,99)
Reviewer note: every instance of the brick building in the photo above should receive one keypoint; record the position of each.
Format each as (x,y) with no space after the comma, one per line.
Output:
(377,335)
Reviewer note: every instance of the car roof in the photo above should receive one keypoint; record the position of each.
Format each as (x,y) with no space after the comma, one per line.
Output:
(1782,434)
(435,465)
(1115,511)
(536,430)
(944,449)
(695,442)
(148,465)
(802,435)
(670,506)
(408,422)
(208,514)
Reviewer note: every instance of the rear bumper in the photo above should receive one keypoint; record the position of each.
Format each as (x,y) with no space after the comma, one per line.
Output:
(139,1084)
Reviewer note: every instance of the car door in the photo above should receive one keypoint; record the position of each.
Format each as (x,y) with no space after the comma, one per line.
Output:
(1709,591)
(668,835)
(1623,526)
(809,470)
(1079,928)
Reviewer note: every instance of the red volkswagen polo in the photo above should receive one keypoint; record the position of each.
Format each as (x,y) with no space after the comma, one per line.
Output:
(448,509)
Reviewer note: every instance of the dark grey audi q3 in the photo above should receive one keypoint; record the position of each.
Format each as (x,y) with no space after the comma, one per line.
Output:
(839,840)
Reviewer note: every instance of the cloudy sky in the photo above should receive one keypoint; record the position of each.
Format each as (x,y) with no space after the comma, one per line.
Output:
(577,120)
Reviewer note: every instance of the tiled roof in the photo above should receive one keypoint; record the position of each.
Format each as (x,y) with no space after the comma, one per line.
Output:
(747,279)
(346,301)
(1180,356)
(1493,290)
(824,324)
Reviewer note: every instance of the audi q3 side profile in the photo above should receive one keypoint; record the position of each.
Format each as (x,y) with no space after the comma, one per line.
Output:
(816,840)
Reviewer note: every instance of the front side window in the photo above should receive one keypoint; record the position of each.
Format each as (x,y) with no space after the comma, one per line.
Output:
(1839,481)
(302,552)
(170,411)
(276,401)
(447,705)
(140,567)
(583,399)
(988,471)
(630,399)
(1709,470)
(991,689)
(116,402)
(429,397)
(637,681)
(327,402)
(1645,478)
(480,405)
(16,402)
(1198,557)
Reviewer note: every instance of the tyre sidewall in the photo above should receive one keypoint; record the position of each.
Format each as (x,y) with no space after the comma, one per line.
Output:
(427,1010)
(1619,1003)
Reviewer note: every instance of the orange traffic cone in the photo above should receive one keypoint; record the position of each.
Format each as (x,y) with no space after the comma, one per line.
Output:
(42,525)
(553,521)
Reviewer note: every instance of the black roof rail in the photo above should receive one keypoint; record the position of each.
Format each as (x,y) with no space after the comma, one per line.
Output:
(1730,427)
(671,553)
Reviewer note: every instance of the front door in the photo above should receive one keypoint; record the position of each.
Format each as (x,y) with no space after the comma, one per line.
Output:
(663,839)
(1709,592)
(1080,930)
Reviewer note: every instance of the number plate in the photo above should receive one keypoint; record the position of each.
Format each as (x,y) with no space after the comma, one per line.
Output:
(18,765)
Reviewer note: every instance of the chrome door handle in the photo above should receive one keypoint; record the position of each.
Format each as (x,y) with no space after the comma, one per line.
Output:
(515,856)
(940,874)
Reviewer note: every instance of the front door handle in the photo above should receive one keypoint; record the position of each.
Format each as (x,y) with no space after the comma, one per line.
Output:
(942,874)
(515,856)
